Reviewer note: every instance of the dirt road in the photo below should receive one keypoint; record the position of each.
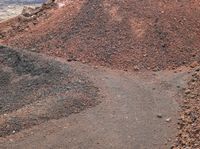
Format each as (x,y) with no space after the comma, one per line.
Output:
(135,110)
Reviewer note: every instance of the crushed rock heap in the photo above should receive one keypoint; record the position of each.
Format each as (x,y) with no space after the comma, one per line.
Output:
(125,35)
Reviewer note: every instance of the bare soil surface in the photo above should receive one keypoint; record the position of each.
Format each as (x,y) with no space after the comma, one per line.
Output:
(42,92)
(70,100)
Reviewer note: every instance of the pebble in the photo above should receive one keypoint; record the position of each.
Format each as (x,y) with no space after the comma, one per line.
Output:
(136,68)
(188,91)
(168,120)
(159,116)
(192,96)
(198,69)
(194,64)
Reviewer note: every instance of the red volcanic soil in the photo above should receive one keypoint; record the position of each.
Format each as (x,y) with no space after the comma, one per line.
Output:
(127,35)
(189,125)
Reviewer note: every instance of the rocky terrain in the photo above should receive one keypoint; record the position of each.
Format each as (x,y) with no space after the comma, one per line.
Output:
(136,63)
(189,125)
(125,35)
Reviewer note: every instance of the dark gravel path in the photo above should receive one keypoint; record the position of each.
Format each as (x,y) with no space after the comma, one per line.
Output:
(34,90)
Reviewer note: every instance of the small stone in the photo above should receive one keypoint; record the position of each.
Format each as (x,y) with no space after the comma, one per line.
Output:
(194,79)
(69,60)
(198,69)
(192,96)
(33,50)
(27,11)
(187,91)
(136,68)
(168,119)
(159,115)
(194,64)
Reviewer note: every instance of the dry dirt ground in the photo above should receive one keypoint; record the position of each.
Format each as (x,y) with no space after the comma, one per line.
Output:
(101,74)
(40,95)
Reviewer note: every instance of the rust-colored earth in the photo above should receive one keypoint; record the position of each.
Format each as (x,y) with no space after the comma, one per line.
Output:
(43,84)
(128,34)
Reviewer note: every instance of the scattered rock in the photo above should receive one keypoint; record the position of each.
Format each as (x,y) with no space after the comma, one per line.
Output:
(168,120)
(136,68)
(188,91)
(194,64)
(159,115)
(28,11)
(189,122)
(115,48)
(198,69)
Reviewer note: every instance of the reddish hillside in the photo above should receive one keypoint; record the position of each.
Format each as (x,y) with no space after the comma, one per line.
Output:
(127,34)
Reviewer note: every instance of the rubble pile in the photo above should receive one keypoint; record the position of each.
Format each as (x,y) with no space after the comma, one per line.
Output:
(127,35)
(189,124)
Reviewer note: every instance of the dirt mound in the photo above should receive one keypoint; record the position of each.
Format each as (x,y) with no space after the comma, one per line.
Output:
(189,125)
(127,34)
(34,90)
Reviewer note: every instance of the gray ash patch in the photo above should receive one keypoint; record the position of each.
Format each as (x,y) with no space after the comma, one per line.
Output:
(27,80)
